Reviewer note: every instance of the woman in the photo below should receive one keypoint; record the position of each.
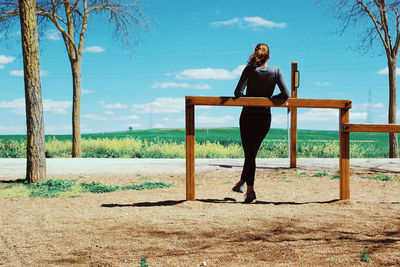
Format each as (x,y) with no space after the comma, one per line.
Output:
(255,122)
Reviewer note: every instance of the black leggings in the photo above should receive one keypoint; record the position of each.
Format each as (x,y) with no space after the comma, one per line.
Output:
(253,129)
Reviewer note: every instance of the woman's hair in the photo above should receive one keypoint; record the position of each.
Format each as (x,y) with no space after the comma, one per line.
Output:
(260,55)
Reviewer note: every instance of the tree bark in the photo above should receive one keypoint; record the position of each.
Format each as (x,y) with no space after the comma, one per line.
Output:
(393,142)
(35,147)
(76,107)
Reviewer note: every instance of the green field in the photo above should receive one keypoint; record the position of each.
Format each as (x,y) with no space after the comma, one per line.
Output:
(210,143)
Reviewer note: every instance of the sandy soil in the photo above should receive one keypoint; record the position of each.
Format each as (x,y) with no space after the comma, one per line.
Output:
(296,221)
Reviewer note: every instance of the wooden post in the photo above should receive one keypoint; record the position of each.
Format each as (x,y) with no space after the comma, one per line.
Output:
(293,117)
(190,138)
(344,161)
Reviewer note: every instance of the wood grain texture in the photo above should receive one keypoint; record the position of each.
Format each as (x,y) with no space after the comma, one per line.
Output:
(371,128)
(344,160)
(293,120)
(190,139)
(266,102)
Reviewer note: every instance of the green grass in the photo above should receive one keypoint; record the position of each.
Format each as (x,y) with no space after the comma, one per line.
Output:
(143,262)
(70,188)
(364,256)
(379,177)
(335,177)
(210,143)
(320,174)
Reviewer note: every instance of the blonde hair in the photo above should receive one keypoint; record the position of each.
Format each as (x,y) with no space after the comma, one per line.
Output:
(260,55)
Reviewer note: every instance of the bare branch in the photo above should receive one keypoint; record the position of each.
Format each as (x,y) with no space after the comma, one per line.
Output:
(384,23)
(43,12)
(84,27)
(374,20)
(397,42)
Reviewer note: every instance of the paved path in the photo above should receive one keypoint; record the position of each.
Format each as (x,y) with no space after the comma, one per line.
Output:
(11,168)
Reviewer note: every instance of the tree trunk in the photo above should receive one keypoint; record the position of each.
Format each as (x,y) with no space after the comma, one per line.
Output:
(76,125)
(35,150)
(393,143)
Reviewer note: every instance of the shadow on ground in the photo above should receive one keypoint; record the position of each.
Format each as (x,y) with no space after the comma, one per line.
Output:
(212,200)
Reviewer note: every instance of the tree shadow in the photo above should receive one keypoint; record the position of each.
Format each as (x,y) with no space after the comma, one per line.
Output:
(17,181)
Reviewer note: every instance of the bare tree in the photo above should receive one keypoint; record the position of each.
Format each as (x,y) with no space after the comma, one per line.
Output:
(71,18)
(35,151)
(380,22)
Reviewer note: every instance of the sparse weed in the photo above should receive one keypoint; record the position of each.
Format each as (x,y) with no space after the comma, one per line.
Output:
(364,256)
(70,188)
(143,262)
(320,174)
(379,177)
(335,177)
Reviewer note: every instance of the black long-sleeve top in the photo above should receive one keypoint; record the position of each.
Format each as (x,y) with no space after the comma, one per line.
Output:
(261,82)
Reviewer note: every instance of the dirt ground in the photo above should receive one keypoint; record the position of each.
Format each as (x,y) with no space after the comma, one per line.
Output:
(297,220)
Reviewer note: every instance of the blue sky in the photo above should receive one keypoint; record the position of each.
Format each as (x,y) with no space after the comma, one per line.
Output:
(196,48)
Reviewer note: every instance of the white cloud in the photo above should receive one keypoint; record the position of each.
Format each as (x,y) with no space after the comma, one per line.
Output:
(332,115)
(249,22)
(210,73)
(94,49)
(365,106)
(44,73)
(170,84)
(317,114)
(52,35)
(58,129)
(17,33)
(87,92)
(126,118)
(20,73)
(260,22)
(161,105)
(180,85)
(202,86)
(94,117)
(225,22)
(5,60)
(213,120)
(13,129)
(180,120)
(322,84)
(113,106)
(109,112)
(386,71)
(159,125)
(358,116)
(56,107)
(18,106)
(97,117)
